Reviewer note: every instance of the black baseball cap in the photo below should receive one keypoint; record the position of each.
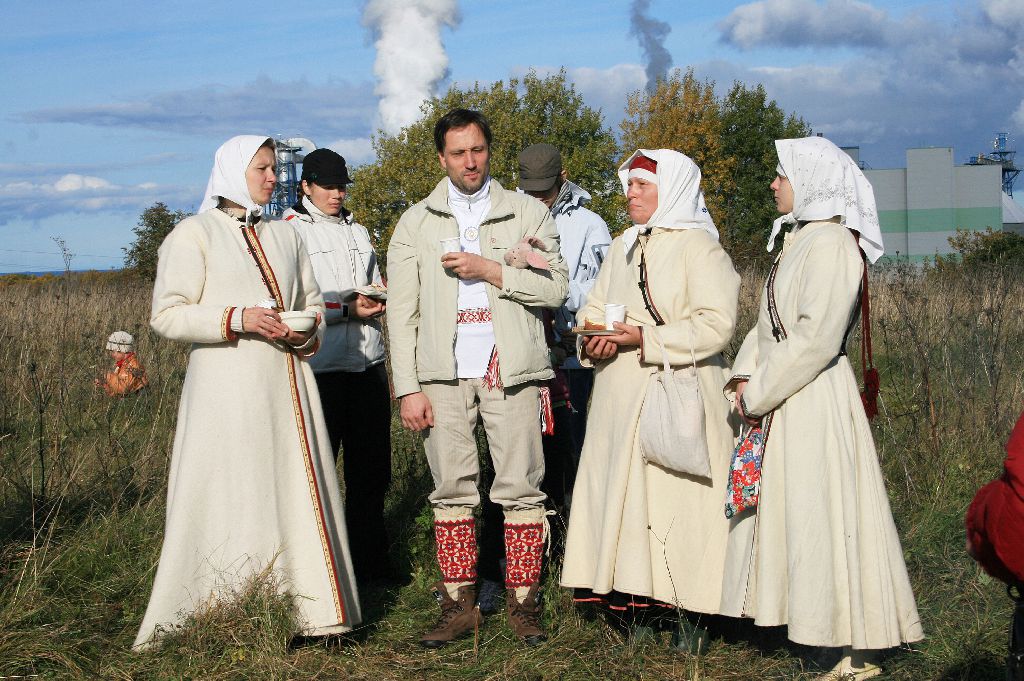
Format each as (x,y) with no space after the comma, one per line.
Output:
(326,168)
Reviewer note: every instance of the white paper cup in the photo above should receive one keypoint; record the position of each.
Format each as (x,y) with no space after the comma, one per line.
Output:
(613,312)
(451,245)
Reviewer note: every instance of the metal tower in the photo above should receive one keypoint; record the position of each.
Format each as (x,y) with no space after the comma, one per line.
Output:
(1001,155)
(289,152)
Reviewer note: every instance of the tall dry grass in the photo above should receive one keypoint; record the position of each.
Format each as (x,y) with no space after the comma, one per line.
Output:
(83,479)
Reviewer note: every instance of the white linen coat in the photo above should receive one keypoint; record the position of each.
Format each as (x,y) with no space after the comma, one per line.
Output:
(820,553)
(634,527)
(252,478)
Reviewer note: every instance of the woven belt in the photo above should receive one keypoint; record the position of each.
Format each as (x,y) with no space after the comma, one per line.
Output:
(475,315)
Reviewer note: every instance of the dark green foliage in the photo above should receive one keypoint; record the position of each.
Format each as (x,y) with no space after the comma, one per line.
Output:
(521,113)
(155,223)
(750,125)
(980,249)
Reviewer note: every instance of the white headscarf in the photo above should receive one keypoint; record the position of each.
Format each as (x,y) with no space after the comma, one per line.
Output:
(826,183)
(680,200)
(227,179)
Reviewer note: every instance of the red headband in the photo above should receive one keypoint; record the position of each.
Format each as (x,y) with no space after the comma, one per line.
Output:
(641,162)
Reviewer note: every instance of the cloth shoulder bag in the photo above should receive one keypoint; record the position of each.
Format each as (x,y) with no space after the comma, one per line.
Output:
(672,421)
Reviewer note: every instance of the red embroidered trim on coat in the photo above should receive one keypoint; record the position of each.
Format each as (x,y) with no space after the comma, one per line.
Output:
(310,351)
(267,272)
(456,549)
(475,315)
(524,547)
(225,325)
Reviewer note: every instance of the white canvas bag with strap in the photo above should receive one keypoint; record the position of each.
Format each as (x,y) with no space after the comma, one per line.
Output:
(672,420)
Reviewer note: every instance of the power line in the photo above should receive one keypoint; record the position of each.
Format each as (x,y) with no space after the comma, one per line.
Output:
(35,268)
(84,255)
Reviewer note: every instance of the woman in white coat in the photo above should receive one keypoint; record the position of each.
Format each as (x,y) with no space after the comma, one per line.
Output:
(252,479)
(642,536)
(820,553)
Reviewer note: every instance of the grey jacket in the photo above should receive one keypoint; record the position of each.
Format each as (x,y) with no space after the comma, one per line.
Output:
(423,296)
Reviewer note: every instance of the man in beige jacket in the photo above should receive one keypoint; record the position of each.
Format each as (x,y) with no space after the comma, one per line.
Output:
(467,341)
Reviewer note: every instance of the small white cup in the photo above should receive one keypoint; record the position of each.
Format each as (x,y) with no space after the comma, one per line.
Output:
(451,245)
(613,312)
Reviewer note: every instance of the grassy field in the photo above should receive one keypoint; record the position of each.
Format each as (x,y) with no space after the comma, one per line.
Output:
(83,480)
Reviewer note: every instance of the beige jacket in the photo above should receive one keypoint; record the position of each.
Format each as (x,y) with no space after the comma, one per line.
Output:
(423,296)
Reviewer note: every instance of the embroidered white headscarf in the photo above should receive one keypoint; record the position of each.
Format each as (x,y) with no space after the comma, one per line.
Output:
(826,183)
(680,200)
(227,179)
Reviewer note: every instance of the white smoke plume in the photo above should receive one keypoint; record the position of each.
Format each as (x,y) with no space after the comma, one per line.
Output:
(411,59)
(651,35)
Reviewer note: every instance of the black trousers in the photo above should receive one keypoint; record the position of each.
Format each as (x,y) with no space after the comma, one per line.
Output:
(581,383)
(357,408)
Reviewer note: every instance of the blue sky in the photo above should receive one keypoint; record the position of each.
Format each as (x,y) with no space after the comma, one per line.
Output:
(111,106)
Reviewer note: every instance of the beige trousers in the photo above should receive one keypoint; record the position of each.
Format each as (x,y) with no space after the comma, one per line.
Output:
(511,422)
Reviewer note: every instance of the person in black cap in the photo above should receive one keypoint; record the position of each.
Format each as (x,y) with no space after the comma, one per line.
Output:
(349,367)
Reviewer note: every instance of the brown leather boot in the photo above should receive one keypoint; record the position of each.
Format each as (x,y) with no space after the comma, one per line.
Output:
(458,617)
(524,617)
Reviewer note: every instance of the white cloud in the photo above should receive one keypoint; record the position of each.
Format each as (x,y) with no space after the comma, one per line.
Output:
(608,88)
(73,193)
(605,89)
(784,22)
(356,150)
(332,109)
(913,80)
(75,183)
(36,171)
(1007,13)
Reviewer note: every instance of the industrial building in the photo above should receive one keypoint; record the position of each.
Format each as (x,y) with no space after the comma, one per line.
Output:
(922,205)
(290,153)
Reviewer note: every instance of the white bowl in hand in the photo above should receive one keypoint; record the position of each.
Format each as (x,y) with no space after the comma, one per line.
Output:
(299,321)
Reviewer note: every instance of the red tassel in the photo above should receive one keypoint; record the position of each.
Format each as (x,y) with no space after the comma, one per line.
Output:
(547,414)
(869,396)
(492,377)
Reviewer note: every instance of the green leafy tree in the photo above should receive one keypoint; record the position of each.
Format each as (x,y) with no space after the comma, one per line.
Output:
(731,139)
(983,249)
(683,114)
(750,125)
(521,113)
(154,224)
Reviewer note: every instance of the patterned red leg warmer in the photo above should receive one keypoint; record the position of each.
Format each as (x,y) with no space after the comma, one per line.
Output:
(456,548)
(524,550)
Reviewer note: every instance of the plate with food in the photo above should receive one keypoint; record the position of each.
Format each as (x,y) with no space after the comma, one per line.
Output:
(585,331)
(374,291)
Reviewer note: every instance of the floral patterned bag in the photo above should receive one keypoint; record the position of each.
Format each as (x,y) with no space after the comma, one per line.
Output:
(745,470)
